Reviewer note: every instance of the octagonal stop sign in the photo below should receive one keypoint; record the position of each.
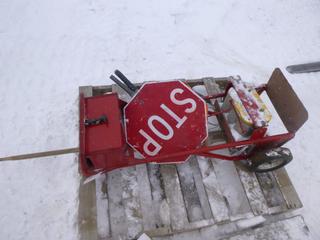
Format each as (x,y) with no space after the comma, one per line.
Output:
(165,118)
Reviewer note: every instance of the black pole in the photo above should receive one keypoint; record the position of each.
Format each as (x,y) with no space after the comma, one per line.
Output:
(123,86)
(126,80)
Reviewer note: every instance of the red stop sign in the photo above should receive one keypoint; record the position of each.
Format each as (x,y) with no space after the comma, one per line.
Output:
(164,118)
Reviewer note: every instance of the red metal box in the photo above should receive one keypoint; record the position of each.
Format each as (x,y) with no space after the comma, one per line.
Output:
(101,138)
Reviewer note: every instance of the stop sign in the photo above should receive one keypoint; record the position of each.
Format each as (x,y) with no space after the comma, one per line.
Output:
(164,118)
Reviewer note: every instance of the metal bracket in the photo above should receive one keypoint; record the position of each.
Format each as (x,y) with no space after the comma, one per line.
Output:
(97,121)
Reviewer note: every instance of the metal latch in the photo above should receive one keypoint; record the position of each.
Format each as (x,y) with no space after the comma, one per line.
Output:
(97,121)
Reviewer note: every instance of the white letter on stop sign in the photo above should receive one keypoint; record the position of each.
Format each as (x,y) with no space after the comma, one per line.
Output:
(179,120)
(183,101)
(156,131)
(150,141)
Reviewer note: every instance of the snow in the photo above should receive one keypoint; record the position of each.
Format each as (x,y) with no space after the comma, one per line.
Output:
(102,207)
(234,97)
(292,228)
(144,237)
(277,152)
(252,222)
(276,125)
(39,199)
(49,48)
(200,90)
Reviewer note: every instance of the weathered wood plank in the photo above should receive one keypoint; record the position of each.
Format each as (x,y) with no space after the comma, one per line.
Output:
(161,232)
(87,212)
(291,228)
(271,191)
(189,191)
(40,154)
(211,86)
(253,191)
(178,214)
(118,219)
(287,189)
(249,182)
(102,207)
(159,202)
(203,197)
(287,228)
(99,90)
(86,91)
(216,198)
(145,195)
(232,188)
(131,202)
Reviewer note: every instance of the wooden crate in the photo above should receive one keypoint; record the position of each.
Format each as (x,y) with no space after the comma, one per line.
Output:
(163,200)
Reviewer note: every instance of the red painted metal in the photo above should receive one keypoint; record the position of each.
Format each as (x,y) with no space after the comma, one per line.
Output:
(219,95)
(211,113)
(102,146)
(178,131)
(164,118)
(110,151)
(207,149)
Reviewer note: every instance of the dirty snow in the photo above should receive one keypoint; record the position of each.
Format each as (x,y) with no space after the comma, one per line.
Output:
(49,48)
(252,222)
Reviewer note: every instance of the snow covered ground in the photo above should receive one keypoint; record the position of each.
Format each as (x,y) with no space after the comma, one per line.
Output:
(49,48)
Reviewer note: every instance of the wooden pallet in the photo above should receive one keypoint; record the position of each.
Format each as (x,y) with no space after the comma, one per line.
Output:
(161,200)
(281,228)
